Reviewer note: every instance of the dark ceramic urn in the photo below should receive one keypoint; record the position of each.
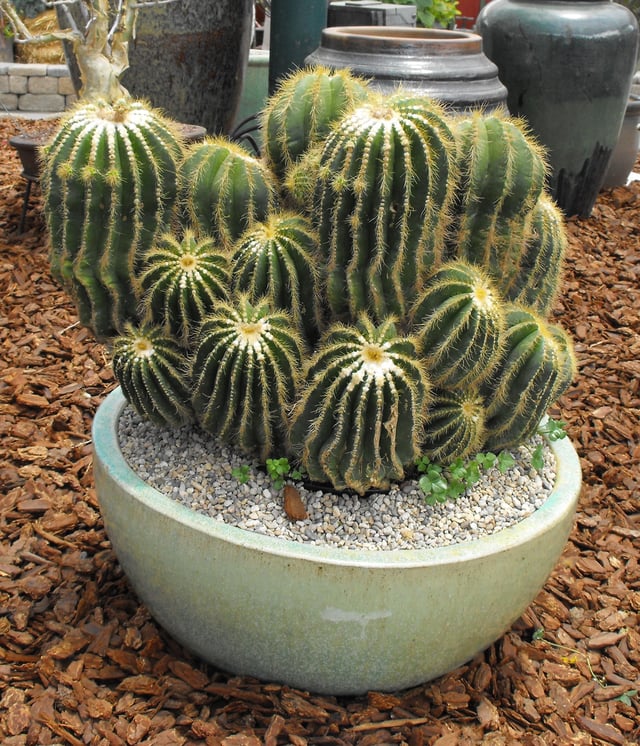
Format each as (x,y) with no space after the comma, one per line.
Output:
(567,66)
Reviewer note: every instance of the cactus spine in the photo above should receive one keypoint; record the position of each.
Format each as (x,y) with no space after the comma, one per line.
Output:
(537,367)
(460,320)
(227,189)
(302,111)
(149,366)
(244,371)
(359,419)
(181,282)
(384,185)
(278,259)
(110,185)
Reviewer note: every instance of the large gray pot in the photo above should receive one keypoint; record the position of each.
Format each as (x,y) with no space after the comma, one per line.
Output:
(447,65)
(329,620)
(189,59)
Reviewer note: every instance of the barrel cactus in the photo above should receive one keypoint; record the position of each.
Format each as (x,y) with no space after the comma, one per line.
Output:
(181,280)
(376,287)
(537,366)
(227,190)
(455,424)
(358,420)
(385,180)
(302,111)
(245,364)
(460,320)
(149,364)
(278,259)
(110,186)
(502,175)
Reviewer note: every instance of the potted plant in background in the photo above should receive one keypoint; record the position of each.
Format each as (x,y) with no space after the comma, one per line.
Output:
(188,58)
(433,13)
(6,42)
(371,294)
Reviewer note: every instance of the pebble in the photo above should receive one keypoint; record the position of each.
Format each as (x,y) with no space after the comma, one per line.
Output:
(194,469)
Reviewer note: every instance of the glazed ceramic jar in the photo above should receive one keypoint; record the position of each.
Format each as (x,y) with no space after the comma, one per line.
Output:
(447,65)
(567,66)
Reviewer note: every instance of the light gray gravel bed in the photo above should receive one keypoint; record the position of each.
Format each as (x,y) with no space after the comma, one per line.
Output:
(191,467)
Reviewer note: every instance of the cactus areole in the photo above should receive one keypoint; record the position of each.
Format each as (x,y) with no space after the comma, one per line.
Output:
(409,255)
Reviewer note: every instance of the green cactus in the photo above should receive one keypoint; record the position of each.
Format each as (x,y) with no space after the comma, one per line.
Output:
(227,189)
(302,111)
(415,274)
(245,368)
(502,174)
(358,422)
(109,182)
(149,366)
(535,281)
(386,179)
(181,281)
(277,259)
(537,367)
(454,425)
(459,319)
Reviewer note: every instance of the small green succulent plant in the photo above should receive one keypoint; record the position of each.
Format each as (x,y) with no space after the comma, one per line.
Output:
(373,291)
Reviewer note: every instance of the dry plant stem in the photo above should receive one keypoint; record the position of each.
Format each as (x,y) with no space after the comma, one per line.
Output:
(101,47)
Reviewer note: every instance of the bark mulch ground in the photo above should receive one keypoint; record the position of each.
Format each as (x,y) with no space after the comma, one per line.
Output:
(81,661)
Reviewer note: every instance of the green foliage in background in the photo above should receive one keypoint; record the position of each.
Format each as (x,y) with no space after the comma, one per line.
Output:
(432,12)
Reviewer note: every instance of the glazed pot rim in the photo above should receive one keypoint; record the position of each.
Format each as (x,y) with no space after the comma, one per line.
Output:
(560,503)
(388,38)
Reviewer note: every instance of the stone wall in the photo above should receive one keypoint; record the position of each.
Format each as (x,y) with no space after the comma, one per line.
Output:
(35,88)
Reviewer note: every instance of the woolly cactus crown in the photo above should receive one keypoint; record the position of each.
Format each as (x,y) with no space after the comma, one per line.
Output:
(409,256)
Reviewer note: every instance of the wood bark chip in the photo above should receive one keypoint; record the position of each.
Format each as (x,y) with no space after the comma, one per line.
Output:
(81,661)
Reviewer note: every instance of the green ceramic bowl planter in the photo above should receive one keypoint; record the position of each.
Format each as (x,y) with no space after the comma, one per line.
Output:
(385,266)
(327,620)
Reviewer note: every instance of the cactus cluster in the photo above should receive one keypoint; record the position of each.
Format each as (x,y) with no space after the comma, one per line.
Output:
(375,287)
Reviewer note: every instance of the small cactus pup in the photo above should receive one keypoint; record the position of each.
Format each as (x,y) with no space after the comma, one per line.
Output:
(149,366)
(454,425)
(110,186)
(278,259)
(358,423)
(535,280)
(302,111)
(181,282)
(245,368)
(385,183)
(227,189)
(537,367)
